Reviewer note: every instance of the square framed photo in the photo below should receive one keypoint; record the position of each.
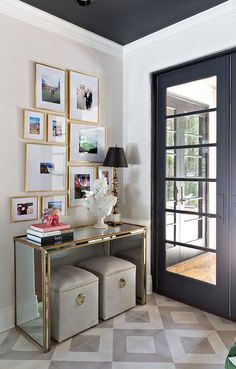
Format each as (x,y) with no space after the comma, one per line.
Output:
(106,173)
(56,129)
(50,88)
(83,97)
(87,143)
(55,202)
(81,180)
(34,125)
(24,208)
(45,168)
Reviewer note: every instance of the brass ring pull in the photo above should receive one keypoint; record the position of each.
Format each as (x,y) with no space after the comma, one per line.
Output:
(80,299)
(122,283)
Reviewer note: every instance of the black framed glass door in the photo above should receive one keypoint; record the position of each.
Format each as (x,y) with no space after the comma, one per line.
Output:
(190,152)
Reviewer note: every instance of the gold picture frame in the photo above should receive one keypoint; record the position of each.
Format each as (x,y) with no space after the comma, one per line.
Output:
(23,217)
(74,170)
(40,168)
(29,136)
(75,156)
(56,142)
(85,114)
(50,91)
(43,202)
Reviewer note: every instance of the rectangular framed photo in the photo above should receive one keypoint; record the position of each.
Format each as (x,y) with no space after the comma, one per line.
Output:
(106,173)
(81,179)
(45,168)
(24,208)
(87,143)
(34,125)
(56,129)
(83,97)
(55,202)
(50,88)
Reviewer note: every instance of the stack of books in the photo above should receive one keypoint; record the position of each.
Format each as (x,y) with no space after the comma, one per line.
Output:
(50,235)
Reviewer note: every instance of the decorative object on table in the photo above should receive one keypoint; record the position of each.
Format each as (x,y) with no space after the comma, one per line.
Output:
(87,143)
(50,238)
(56,202)
(57,129)
(50,88)
(24,208)
(100,203)
(45,168)
(81,179)
(83,97)
(115,158)
(107,174)
(34,125)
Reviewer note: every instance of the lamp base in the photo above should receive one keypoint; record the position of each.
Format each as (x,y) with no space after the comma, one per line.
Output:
(114,219)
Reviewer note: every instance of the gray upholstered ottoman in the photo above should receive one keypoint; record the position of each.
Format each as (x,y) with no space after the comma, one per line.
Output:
(117,279)
(74,301)
(134,256)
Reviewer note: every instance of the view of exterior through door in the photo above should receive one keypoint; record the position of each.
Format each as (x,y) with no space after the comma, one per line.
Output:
(190,184)
(191,179)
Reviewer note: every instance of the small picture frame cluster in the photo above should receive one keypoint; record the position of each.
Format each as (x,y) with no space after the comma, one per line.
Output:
(28,208)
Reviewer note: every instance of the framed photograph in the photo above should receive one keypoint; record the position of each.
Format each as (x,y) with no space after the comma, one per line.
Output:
(83,97)
(55,202)
(87,143)
(81,180)
(45,168)
(106,173)
(34,125)
(57,129)
(24,208)
(50,88)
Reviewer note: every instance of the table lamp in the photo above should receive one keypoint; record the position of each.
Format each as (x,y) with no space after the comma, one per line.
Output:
(115,158)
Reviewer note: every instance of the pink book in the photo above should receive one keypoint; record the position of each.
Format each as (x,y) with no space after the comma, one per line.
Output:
(45,228)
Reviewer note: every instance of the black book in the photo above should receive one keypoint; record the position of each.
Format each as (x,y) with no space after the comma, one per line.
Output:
(50,240)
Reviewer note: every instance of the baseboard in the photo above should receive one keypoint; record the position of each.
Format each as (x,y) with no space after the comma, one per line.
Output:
(7,320)
(27,310)
(149,284)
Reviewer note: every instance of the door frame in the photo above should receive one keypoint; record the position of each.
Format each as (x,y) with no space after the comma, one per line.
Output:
(155,168)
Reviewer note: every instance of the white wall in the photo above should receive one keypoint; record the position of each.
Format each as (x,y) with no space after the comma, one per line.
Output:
(21,45)
(203,34)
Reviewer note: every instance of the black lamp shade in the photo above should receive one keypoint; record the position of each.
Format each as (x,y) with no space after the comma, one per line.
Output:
(115,158)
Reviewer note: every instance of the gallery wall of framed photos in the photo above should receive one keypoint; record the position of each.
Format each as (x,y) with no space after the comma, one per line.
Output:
(65,144)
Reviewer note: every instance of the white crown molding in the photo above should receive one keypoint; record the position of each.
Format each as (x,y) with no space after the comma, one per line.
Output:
(217,14)
(48,22)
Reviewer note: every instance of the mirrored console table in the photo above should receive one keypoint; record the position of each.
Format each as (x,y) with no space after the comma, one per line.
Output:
(33,265)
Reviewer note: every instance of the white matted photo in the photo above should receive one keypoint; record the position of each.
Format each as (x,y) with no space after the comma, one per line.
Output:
(81,181)
(107,174)
(83,97)
(57,129)
(34,125)
(24,208)
(45,168)
(50,88)
(87,143)
(55,202)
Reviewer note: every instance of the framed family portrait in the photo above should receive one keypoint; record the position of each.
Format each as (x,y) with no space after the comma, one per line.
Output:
(83,97)
(50,88)
(34,125)
(56,129)
(55,202)
(81,180)
(107,174)
(45,168)
(87,143)
(24,208)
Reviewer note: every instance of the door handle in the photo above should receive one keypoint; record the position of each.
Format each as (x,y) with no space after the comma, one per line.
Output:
(220,208)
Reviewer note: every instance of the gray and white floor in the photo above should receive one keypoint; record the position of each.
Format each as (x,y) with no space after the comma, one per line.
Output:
(163,334)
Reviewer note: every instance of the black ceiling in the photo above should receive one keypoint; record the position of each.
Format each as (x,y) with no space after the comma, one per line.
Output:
(124,21)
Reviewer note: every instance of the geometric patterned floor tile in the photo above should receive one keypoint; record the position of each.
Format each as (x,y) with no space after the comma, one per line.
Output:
(125,365)
(63,351)
(85,343)
(199,366)
(141,317)
(221,324)
(128,347)
(228,337)
(214,351)
(24,364)
(80,365)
